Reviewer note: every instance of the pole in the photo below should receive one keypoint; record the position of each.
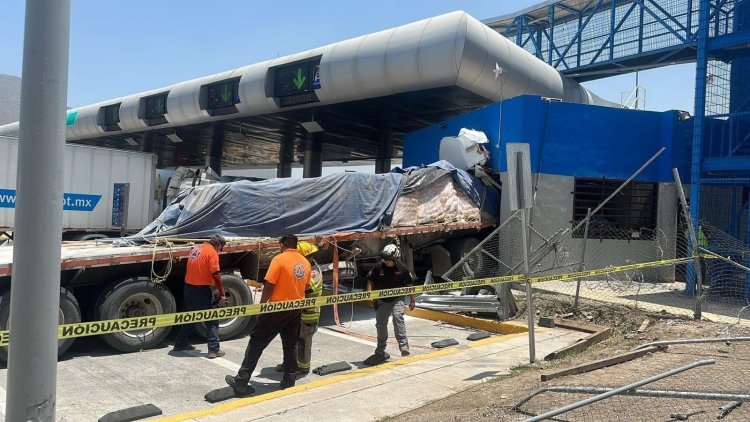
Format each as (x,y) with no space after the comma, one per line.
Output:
(617,391)
(525,245)
(35,286)
(697,312)
(701,79)
(583,259)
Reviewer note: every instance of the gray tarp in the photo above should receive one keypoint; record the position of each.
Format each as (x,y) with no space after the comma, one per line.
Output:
(344,202)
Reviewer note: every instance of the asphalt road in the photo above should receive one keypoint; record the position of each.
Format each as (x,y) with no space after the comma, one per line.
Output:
(93,379)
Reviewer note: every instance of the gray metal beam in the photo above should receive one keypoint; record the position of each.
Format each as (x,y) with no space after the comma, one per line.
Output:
(35,286)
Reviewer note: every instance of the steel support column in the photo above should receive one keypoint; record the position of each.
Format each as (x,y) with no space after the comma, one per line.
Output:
(700,114)
(286,156)
(216,149)
(313,166)
(385,153)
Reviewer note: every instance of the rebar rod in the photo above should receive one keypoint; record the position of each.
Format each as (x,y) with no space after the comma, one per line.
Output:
(692,341)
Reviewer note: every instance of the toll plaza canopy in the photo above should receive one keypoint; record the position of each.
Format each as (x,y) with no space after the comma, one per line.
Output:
(351,100)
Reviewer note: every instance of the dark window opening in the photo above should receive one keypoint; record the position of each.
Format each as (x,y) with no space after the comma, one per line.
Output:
(631,214)
(153,109)
(221,94)
(221,98)
(110,117)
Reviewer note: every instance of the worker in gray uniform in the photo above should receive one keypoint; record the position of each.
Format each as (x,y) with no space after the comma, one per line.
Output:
(390,273)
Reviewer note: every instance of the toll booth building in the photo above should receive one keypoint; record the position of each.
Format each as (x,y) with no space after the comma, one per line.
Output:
(580,154)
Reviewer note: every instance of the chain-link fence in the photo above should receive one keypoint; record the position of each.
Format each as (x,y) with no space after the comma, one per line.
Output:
(654,282)
(658,284)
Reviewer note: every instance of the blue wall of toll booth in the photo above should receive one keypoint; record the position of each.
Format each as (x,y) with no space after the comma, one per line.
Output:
(569,139)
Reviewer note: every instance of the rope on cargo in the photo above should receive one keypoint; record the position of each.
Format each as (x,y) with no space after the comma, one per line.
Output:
(335,272)
(156,277)
(353,254)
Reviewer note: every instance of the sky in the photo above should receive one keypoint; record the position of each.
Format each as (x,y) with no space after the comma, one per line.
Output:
(122,47)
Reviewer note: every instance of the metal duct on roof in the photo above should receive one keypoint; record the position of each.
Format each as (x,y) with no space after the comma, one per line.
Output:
(453,49)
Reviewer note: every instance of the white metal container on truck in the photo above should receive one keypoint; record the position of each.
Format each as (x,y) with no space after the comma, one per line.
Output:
(106,191)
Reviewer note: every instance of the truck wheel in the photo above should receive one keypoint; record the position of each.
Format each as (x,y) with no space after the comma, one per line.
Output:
(92,236)
(70,313)
(481,290)
(135,297)
(461,248)
(239,294)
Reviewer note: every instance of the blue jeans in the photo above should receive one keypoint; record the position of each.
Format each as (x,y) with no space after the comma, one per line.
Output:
(198,298)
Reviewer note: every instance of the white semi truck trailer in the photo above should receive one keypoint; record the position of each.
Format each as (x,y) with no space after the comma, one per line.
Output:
(107,191)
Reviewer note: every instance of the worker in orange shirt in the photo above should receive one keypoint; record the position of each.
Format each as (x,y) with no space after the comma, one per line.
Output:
(286,279)
(202,273)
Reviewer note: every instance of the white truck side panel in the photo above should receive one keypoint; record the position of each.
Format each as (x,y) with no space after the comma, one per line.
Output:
(91,171)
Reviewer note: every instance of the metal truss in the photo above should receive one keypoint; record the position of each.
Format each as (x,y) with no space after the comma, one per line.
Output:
(591,39)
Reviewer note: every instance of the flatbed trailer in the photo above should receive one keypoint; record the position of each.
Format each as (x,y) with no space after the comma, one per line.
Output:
(101,280)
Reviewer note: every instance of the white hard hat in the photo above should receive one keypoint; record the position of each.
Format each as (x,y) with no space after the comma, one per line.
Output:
(390,252)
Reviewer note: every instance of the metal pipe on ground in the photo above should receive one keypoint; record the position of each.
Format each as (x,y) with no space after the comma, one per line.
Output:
(692,341)
(620,390)
(693,395)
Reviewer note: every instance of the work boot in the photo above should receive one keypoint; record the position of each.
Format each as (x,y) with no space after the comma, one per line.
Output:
(377,358)
(287,381)
(300,370)
(182,347)
(239,388)
(404,348)
(213,354)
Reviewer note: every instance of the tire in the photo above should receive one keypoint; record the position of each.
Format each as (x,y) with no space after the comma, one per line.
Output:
(135,297)
(481,290)
(239,294)
(92,236)
(460,248)
(70,313)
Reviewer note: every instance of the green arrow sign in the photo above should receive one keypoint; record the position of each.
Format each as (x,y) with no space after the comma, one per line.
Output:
(299,80)
(226,94)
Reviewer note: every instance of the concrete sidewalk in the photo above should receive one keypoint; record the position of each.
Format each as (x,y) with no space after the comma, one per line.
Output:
(389,389)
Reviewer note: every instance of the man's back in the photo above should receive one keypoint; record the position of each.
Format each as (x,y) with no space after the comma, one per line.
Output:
(289,272)
(203,261)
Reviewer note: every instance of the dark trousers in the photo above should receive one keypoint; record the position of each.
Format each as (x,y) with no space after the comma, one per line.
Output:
(286,324)
(198,298)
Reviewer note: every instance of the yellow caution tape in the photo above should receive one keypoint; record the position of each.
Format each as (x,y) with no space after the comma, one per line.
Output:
(84,329)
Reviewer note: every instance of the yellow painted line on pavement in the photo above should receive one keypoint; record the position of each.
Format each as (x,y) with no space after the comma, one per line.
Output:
(358,373)
(466,321)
